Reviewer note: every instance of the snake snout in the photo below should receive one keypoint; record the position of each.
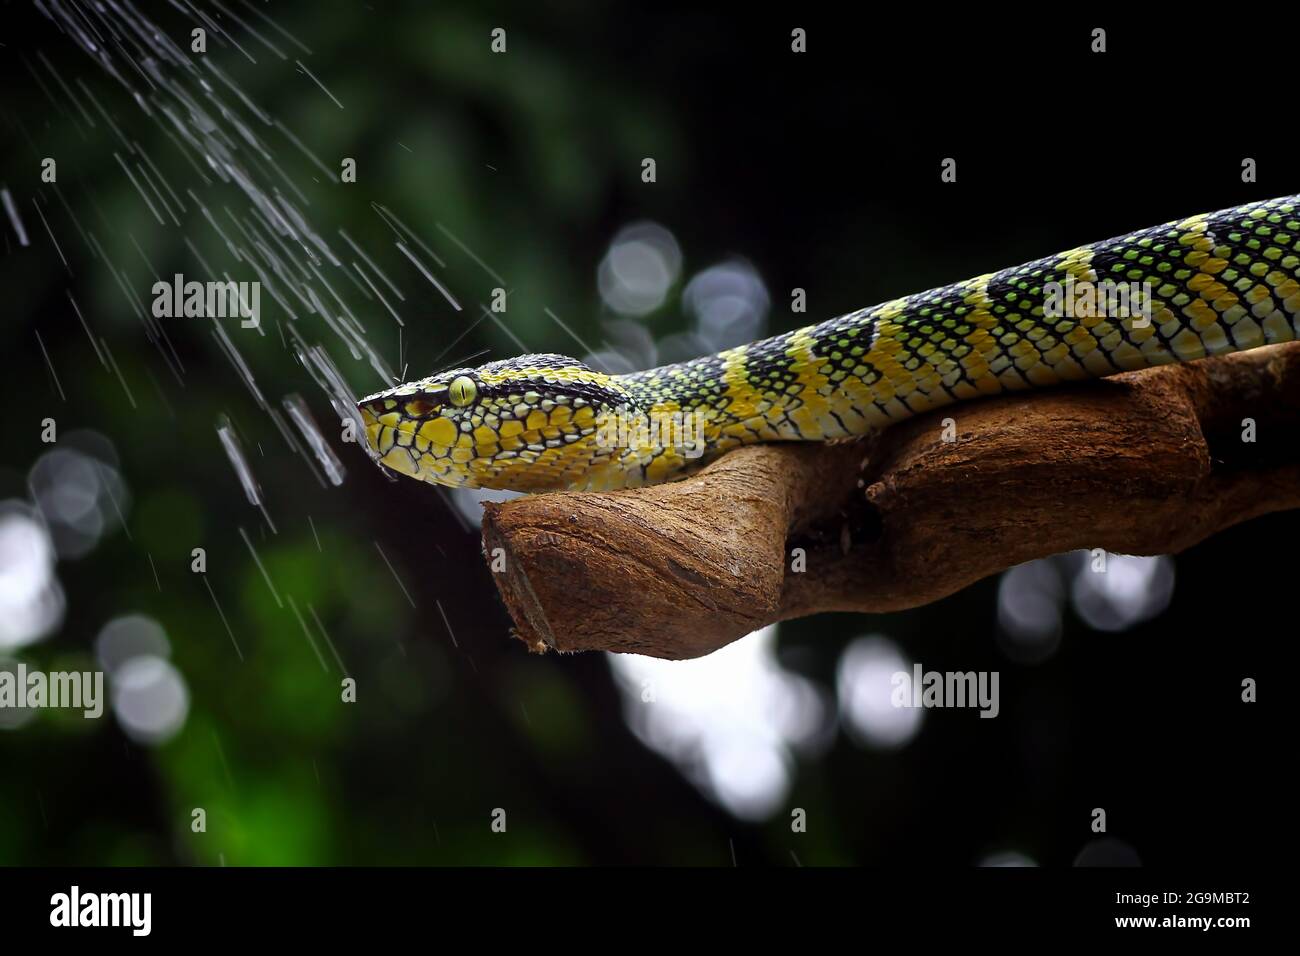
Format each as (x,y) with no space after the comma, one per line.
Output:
(387,437)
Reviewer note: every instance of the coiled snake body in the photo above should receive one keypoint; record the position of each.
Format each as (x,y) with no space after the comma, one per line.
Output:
(1215,283)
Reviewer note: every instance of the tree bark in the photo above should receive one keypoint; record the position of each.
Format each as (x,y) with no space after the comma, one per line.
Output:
(1147,462)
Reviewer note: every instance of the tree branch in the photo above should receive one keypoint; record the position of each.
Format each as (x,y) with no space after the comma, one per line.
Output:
(1147,462)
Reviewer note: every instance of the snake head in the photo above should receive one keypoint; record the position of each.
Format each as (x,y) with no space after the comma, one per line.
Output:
(526,424)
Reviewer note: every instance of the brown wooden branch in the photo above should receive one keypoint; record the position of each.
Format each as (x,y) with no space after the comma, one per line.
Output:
(1148,462)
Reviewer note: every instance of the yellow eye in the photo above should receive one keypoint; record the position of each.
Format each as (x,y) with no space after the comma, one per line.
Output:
(462,391)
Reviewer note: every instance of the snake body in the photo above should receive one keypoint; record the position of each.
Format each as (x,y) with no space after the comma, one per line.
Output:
(1206,285)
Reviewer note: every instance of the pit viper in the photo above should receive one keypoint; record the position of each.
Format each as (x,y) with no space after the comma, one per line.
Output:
(1209,284)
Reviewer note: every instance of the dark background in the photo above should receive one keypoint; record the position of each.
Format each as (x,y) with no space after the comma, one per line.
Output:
(821,170)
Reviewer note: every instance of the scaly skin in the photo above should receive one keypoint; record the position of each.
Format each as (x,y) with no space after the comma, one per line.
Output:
(1222,282)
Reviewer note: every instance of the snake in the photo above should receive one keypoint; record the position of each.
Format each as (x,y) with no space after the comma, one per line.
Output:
(1206,285)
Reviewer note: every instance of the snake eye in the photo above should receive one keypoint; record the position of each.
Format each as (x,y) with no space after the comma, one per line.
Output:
(462,391)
